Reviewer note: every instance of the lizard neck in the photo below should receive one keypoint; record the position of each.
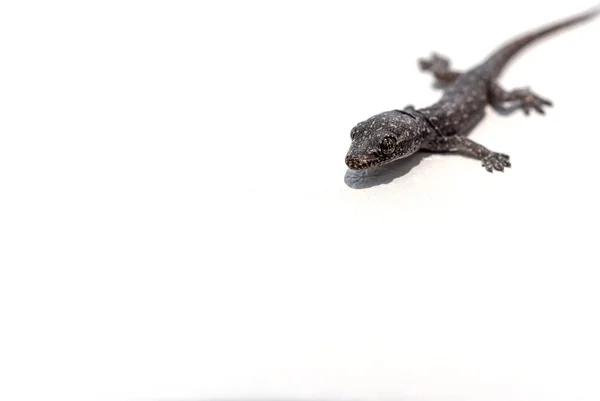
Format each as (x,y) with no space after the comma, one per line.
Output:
(427,128)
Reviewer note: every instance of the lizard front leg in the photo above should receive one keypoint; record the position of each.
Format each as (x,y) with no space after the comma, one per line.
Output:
(489,160)
(439,66)
(526,99)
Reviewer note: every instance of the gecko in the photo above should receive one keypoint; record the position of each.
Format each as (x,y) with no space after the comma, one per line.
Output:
(444,126)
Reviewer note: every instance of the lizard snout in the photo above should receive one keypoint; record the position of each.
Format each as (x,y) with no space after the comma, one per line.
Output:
(355,163)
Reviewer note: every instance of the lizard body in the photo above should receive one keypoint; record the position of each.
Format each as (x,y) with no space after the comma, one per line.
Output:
(444,126)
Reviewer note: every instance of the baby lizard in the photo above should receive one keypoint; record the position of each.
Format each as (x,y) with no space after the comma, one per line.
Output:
(444,126)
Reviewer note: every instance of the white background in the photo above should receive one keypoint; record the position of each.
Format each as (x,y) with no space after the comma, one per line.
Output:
(176,221)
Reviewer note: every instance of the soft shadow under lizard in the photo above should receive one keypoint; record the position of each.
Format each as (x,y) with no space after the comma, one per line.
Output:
(444,126)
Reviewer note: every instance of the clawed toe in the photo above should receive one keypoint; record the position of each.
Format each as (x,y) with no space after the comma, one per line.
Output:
(435,61)
(532,101)
(495,161)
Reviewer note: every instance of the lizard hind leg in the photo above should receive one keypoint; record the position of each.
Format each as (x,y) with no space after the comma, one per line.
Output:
(525,99)
(439,66)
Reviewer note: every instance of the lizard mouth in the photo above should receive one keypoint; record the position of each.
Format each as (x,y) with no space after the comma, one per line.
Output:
(355,163)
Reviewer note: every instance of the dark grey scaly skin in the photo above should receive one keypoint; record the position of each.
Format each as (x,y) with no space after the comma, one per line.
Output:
(444,126)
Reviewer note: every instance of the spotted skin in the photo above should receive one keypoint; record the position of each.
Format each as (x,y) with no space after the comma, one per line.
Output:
(444,126)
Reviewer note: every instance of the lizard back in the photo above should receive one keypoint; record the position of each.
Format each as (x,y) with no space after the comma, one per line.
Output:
(463,103)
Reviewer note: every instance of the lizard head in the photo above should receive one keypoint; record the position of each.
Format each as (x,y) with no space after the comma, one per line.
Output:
(384,138)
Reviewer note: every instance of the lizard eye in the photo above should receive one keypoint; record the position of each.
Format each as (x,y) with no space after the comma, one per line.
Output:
(388,145)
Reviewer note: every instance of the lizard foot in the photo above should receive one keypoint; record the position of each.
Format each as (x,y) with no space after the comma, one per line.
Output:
(530,100)
(435,62)
(495,161)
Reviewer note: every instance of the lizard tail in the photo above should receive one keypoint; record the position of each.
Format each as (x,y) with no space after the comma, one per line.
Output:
(502,56)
